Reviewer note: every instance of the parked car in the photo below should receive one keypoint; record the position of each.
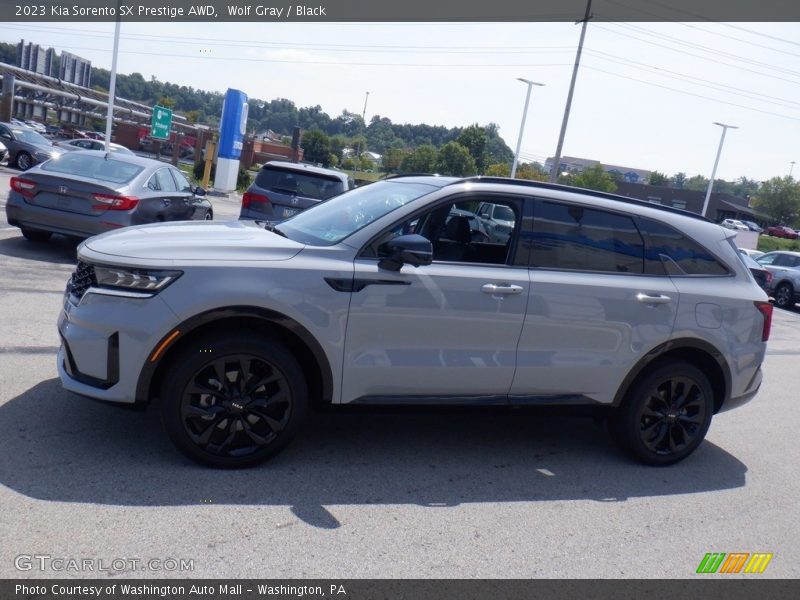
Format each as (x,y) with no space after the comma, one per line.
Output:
(83,193)
(87,144)
(762,276)
(498,221)
(238,327)
(283,189)
(26,147)
(68,132)
(735,225)
(754,254)
(785,269)
(753,226)
(94,135)
(36,126)
(782,231)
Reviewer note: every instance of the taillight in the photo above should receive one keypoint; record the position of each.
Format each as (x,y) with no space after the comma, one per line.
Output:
(114,202)
(765,308)
(25,187)
(258,202)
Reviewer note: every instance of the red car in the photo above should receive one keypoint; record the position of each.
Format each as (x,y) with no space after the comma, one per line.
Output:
(782,231)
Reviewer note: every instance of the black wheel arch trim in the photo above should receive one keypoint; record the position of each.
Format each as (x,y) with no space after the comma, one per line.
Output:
(671,346)
(194,323)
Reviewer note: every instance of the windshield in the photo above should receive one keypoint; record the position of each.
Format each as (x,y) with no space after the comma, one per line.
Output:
(31,137)
(330,222)
(92,165)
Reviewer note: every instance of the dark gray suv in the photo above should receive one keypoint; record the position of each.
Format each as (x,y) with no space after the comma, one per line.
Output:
(385,295)
(283,189)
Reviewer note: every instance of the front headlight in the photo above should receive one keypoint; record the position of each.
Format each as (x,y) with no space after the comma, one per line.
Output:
(141,280)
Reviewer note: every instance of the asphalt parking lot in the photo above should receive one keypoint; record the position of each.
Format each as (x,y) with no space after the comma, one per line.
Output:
(380,494)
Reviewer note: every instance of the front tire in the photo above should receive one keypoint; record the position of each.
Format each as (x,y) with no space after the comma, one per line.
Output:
(24,161)
(784,296)
(665,415)
(233,400)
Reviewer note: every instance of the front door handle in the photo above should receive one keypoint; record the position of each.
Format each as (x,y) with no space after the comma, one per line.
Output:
(653,298)
(501,288)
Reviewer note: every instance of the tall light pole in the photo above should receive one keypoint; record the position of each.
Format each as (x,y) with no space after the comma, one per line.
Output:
(555,168)
(716,162)
(112,84)
(522,126)
(791,168)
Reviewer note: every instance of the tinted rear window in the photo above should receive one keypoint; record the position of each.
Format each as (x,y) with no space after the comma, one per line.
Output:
(667,249)
(307,185)
(96,167)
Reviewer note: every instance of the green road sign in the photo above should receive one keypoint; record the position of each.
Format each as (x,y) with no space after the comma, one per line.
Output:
(161,123)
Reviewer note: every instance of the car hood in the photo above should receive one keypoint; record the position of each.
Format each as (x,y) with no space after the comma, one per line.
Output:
(189,241)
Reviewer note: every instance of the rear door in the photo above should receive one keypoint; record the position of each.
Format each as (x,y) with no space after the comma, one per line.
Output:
(167,202)
(594,308)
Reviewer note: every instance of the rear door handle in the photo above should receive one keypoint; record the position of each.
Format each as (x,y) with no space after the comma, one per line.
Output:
(653,298)
(501,288)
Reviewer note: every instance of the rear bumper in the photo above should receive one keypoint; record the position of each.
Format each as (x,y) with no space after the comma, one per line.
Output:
(752,390)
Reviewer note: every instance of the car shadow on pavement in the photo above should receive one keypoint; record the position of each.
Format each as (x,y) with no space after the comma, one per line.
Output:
(60,447)
(58,249)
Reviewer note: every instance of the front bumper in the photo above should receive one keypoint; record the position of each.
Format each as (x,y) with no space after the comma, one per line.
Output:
(106,341)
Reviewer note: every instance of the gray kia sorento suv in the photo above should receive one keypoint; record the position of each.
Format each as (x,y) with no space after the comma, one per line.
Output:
(384,295)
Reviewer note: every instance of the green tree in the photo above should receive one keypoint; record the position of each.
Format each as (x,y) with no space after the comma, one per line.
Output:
(455,159)
(678,180)
(698,183)
(317,147)
(591,178)
(473,138)
(657,178)
(392,160)
(498,170)
(420,160)
(779,198)
(533,171)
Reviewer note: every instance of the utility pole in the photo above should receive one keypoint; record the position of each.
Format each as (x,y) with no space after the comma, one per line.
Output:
(556,166)
(716,162)
(791,168)
(363,120)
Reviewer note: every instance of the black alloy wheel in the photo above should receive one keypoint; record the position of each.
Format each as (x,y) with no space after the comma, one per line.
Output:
(666,415)
(784,296)
(233,402)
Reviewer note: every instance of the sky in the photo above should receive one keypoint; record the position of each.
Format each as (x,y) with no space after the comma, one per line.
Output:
(646,97)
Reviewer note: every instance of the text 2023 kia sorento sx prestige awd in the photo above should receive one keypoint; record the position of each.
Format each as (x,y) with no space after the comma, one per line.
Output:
(391,294)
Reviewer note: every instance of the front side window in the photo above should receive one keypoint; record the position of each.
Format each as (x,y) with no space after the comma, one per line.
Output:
(574,237)
(456,232)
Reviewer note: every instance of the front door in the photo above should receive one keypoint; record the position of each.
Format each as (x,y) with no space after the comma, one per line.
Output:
(442,333)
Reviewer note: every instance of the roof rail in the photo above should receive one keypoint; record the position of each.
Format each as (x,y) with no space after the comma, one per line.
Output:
(400,175)
(568,188)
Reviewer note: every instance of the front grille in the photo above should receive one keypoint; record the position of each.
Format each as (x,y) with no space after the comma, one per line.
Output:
(82,279)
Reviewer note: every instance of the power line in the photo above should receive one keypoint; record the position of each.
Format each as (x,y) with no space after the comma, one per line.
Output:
(693,80)
(597,25)
(664,87)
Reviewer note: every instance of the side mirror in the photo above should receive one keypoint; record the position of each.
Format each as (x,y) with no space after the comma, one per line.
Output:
(412,249)
(198,191)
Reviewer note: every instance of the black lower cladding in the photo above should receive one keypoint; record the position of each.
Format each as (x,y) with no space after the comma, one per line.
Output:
(112,364)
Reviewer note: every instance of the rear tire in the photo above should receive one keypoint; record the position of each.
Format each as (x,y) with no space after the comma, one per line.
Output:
(35,235)
(784,296)
(233,400)
(665,415)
